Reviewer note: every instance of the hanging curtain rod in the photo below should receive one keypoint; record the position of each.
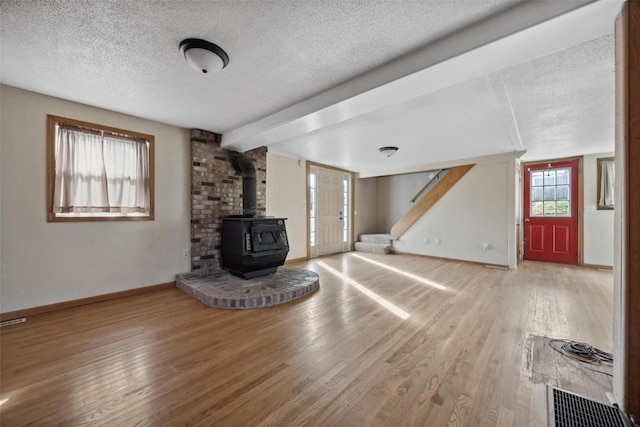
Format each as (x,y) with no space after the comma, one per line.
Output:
(99,132)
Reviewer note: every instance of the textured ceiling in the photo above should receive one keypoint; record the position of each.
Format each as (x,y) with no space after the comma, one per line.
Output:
(556,106)
(435,127)
(123,56)
(564,103)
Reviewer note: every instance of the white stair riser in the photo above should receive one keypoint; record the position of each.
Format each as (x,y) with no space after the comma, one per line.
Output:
(376,238)
(376,248)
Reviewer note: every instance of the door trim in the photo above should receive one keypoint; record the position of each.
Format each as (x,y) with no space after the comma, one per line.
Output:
(352,175)
(523,170)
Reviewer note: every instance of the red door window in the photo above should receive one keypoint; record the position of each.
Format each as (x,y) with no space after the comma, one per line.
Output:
(551,212)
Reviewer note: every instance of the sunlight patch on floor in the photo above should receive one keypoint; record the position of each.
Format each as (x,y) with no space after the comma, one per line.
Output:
(404,273)
(377,298)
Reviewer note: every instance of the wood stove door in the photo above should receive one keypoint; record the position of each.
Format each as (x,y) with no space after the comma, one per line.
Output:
(330,216)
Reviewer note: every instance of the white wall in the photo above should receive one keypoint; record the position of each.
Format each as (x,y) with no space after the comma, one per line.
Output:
(366,207)
(478,209)
(287,197)
(598,224)
(518,208)
(514,211)
(44,263)
(395,194)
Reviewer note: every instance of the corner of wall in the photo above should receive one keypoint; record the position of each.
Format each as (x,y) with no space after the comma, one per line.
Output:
(286,191)
(471,222)
(97,258)
(216,190)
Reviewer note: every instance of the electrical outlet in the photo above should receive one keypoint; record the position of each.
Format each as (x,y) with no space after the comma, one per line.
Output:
(426,241)
(185,253)
(436,241)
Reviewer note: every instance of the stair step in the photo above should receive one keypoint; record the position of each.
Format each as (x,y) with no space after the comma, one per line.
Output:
(377,238)
(376,248)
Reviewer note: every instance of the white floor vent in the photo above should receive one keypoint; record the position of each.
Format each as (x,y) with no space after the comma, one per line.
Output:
(568,409)
(12,322)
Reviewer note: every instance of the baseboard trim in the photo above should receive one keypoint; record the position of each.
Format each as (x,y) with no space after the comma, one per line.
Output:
(484,264)
(295,260)
(598,267)
(33,311)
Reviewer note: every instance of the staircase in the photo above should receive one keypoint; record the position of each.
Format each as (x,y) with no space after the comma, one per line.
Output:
(437,187)
(375,243)
(434,194)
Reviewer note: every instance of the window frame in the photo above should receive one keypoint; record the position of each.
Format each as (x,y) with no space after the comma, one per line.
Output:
(51,170)
(312,215)
(599,183)
(555,186)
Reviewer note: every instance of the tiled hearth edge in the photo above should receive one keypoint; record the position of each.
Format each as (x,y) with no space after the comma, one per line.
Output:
(216,190)
(223,290)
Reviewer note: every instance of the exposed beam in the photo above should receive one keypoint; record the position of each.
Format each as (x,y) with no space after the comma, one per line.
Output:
(524,31)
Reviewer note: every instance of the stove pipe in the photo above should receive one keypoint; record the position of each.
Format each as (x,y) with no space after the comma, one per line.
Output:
(244,166)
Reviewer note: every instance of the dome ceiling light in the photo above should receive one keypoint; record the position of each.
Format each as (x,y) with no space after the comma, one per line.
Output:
(203,56)
(388,151)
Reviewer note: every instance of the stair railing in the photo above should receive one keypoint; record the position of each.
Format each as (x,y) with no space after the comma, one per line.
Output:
(433,178)
(427,201)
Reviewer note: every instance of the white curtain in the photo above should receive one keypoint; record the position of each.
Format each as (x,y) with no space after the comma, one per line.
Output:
(80,184)
(607,183)
(97,174)
(126,163)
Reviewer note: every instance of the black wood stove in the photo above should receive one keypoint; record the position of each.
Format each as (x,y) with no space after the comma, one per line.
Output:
(251,245)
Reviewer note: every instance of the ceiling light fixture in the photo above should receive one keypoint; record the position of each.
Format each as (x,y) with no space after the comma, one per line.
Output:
(388,151)
(203,56)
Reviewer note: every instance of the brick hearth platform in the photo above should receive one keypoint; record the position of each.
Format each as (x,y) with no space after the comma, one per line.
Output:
(223,290)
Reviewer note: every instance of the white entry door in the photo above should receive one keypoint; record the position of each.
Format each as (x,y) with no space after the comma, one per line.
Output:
(332,216)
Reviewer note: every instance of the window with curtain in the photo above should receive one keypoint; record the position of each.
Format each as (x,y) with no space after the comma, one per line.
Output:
(98,173)
(606,183)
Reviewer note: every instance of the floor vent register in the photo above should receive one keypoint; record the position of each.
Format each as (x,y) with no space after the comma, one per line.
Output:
(568,409)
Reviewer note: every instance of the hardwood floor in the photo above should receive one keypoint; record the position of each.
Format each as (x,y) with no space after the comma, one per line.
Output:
(468,353)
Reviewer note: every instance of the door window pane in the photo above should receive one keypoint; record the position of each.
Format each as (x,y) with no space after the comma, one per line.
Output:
(312,209)
(562,208)
(536,194)
(536,178)
(550,177)
(549,208)
(345,210)
(562,192)
(562,176)
(550,192)
(536,209)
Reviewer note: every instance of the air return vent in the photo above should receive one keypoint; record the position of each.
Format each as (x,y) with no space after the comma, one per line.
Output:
(571,410)
(12,322)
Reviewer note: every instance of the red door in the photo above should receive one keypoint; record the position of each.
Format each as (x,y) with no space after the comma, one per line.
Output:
(551,212)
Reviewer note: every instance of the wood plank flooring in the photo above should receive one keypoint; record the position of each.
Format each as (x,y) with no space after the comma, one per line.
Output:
(468,354)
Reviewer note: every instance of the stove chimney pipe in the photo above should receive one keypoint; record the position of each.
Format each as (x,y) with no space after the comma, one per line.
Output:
(244,166)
